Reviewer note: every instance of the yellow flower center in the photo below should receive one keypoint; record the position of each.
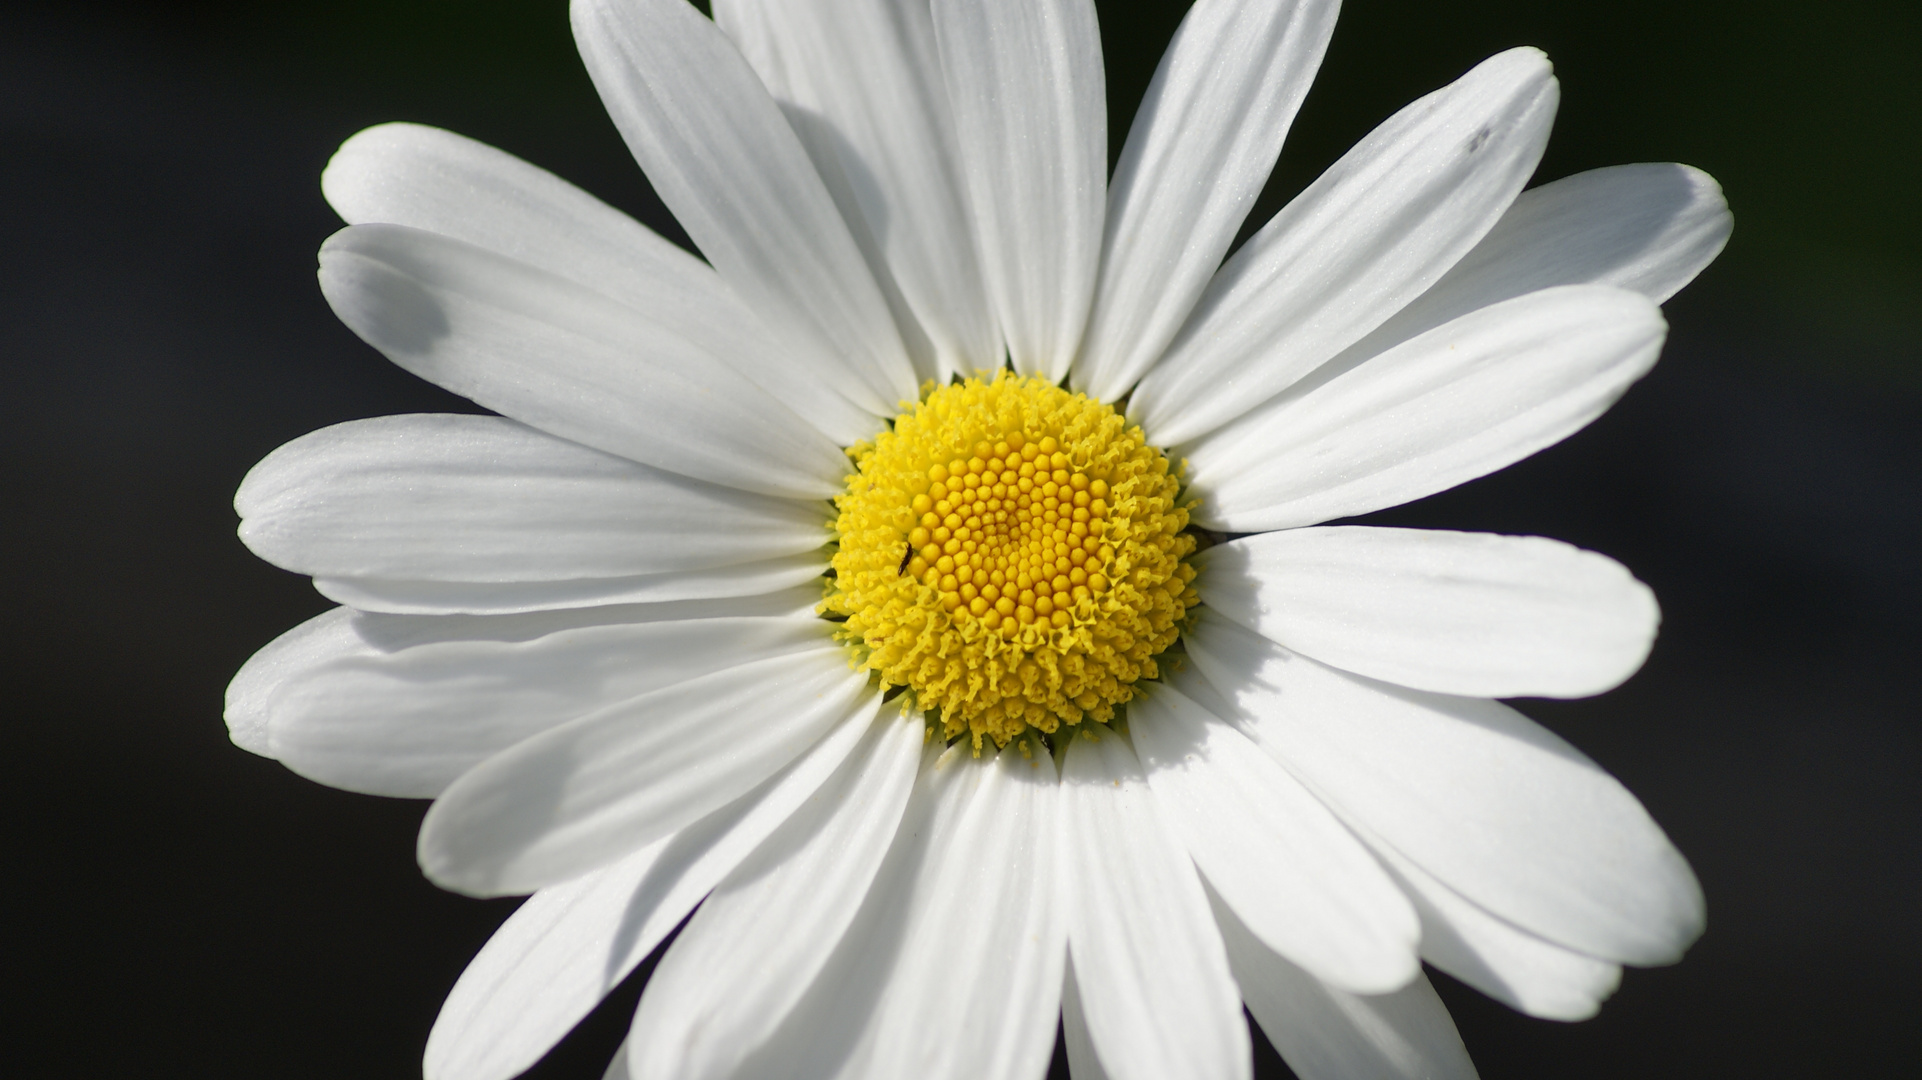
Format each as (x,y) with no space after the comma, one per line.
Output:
(1011,554)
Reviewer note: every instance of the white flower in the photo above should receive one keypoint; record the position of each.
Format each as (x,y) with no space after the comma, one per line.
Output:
(588,626)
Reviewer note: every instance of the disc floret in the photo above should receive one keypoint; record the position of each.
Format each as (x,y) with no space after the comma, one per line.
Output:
(1012,554)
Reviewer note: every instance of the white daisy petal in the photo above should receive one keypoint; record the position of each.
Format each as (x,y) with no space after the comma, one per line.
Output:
(1453,612)
(1454,404)
(391,705)
(408,597)
(1646,228)
(956,971)
(484,499)
(1328,1034)
(1203,142)
(861,85)
(587,792)
(249,707)
(251,695)
(760,940)
(411,174)
(1031,115)
(1367,237)
(1488,802)
(1152,976)
(567,360)
(1274,852)
(563,950)
(332,636)
(1083,1063)
(721,156)
(1499,959)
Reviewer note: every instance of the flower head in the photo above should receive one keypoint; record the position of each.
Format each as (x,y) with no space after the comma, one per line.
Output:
(930,590)
(1012,555)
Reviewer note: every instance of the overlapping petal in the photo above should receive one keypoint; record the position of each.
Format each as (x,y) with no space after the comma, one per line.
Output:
(1304,884)
(1025,81)
(426,178)
(1371,234)
(1328,1034)
(1452,612)
(1456,403)
(961,936)
(1203,142)
(1646,228)
(394,705)
(1151,974)
(757,944)
(580,795)
(563,950)
(567,360)
(1486,801)
(1497,957)
(1083,1062)
(723,158)
(861,85)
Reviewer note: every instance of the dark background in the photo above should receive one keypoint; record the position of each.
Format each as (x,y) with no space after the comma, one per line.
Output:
(178,906)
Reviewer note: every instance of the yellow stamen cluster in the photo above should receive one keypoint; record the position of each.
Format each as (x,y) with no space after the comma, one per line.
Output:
(1011,553)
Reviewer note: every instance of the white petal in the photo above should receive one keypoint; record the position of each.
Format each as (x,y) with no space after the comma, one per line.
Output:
(1646,228)
(567,360)
(1501,960)
(358,702)
(1452,612)
(1496,957)
(406,597)
(1485,800)
(484,499)
(1454,404)
(1203,142)
(1031,116)
(759,941)
(594,789)
(1328,1034)
(250,695)
(1083,1063)
(569,945)
(861,85)
(721,156)
(1151,972)
(956,971)
(1367,237)
(410,174)
(1274,852)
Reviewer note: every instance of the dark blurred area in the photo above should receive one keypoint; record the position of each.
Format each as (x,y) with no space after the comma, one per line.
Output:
(178,906)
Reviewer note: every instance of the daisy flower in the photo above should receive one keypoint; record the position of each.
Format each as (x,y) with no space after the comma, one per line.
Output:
(926,597)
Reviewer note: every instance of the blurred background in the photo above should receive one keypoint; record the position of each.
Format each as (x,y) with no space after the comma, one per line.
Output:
(178,906)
